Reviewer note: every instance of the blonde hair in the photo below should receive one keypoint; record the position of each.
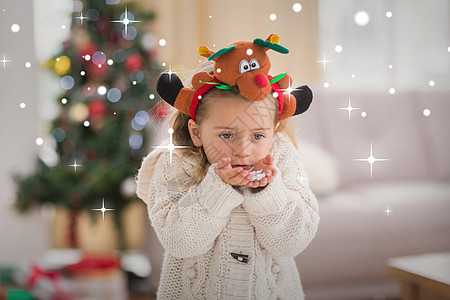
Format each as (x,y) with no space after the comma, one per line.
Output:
(181,136)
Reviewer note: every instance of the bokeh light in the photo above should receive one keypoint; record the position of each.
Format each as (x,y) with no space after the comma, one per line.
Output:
(362,18)
(297,7)
(77,6)
(130,33)
(78,112)
(88,89)
(62,65)
(101,90)
(114,95)
(135,141)
(58,134)
(15,28)
(136,75)
(119,55)
(67,82)
(99,58)
(149,41)
(140,120)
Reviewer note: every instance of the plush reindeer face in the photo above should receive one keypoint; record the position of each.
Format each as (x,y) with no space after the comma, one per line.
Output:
(246,65)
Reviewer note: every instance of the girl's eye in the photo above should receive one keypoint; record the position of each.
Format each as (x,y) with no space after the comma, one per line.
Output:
(258,136)
(226,136)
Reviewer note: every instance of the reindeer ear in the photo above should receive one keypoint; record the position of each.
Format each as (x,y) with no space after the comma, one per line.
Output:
(168,87)
(271,43)
(273,38)
(204,51)
(303,96)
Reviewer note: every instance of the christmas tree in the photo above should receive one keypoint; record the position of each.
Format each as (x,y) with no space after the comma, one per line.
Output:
(107,75)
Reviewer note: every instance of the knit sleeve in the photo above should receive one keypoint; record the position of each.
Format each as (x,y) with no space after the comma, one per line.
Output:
(188,219)
(285,213)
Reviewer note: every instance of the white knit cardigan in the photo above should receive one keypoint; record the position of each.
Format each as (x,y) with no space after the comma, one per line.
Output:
(223,242)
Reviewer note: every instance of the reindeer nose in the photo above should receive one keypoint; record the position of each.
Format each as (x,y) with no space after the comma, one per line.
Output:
(261,80)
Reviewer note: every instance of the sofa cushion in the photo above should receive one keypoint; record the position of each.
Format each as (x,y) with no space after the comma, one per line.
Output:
(358,233)
(417,146)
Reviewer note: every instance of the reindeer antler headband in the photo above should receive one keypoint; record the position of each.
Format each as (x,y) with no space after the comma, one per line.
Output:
(243,64)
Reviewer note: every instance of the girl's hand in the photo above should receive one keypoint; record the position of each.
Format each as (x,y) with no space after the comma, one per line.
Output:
(233,176)
(266,166)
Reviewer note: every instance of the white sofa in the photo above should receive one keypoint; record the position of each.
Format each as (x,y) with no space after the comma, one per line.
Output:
(403,209)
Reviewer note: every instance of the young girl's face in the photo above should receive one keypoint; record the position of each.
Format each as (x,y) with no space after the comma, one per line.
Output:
(240,130)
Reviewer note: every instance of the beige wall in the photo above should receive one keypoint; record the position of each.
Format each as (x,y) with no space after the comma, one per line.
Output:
(185,25)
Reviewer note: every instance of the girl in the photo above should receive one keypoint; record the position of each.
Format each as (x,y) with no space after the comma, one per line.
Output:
(228,233)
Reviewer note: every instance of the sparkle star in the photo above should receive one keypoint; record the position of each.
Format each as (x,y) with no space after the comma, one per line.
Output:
(388,211)
(75,165)
(126,21)
(170,72)
(103,209)
(81,17)
(324,61)
(301,178)
(349,108)
(371,160)
(171,146)
(4,61)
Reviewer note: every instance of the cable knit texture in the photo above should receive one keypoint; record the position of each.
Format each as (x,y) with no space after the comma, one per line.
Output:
(200,226)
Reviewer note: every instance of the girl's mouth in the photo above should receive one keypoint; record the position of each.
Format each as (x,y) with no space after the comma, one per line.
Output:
(245,167)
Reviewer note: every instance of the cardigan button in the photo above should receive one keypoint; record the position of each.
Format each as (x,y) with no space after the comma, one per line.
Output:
(276,269)
(240,257)
(190,273)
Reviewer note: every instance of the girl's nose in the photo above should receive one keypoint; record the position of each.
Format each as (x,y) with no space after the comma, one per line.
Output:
(241,148)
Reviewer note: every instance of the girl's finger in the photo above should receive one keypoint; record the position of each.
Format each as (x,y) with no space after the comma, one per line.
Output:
(268,159)
(223,162)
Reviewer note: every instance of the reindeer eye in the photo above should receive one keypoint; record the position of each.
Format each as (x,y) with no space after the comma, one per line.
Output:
(254,64)
(244,66)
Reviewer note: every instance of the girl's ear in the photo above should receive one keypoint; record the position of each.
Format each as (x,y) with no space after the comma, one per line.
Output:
(276,126)
(194,131)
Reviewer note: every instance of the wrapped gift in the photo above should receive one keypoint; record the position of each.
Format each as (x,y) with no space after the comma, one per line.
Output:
(41,283)
(97,277)
(14,294)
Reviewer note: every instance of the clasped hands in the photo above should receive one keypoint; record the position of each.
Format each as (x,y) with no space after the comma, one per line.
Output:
(239,177)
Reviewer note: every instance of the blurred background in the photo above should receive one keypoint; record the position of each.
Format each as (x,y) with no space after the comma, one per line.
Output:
(79,111)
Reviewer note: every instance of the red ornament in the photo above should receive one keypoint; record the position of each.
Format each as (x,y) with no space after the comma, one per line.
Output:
(95,73)
(96,108)
(87,49)
(133,62)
